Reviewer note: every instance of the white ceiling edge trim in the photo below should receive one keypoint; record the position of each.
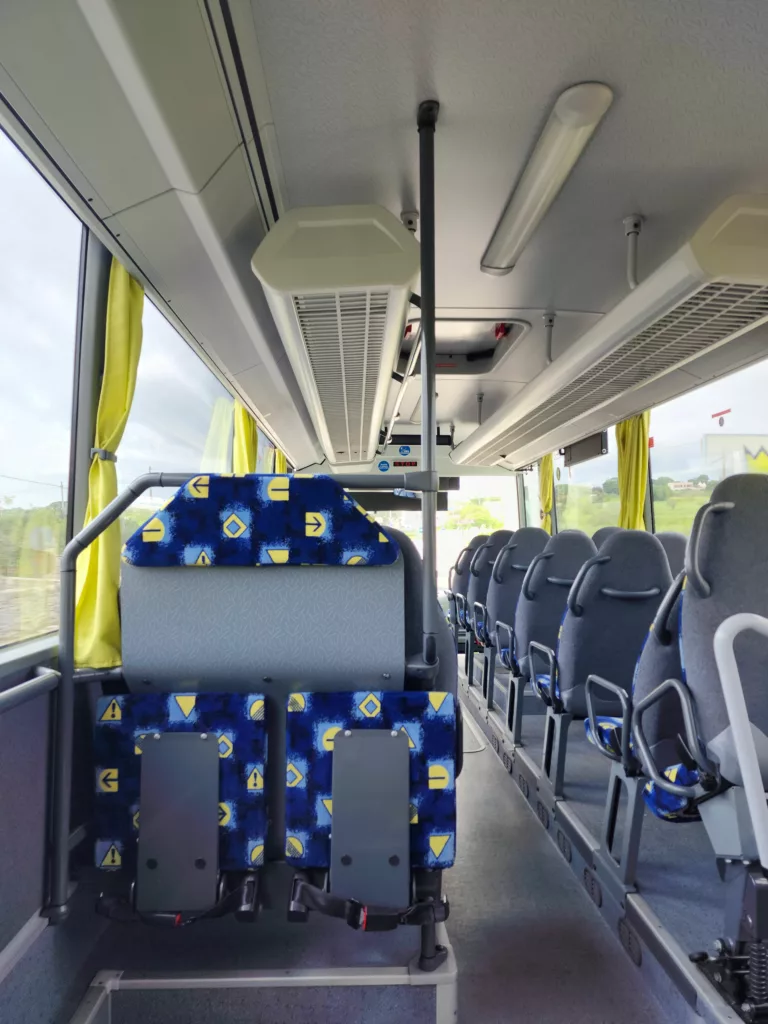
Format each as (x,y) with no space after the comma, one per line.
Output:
(119,53)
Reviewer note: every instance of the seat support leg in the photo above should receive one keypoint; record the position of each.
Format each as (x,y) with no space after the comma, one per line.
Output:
(515,702)
(490,675)
(625,863)
(469,657)
(555,747)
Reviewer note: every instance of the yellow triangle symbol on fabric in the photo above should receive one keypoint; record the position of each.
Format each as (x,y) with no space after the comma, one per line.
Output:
(225,815)
(112,713)
(437,700)
(112,858)
(278,555)
(355,560)
(202,559)
(414,811)
(411,744)
(136,747)
(438,843)
(328,805)
(153,532)
(383,539)
(186,704)
(255,780)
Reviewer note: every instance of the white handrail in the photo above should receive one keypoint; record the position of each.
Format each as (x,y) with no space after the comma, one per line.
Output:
(736,706)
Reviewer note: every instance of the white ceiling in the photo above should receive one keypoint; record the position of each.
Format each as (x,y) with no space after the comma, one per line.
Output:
(140,123)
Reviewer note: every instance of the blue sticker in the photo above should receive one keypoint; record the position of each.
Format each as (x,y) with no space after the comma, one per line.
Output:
(383,465)
(405,449)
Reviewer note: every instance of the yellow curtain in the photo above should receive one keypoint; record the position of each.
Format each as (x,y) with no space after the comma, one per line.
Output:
(216,457)
(545,492)
(632,443)
(97,621)
(281,463)
(246,443)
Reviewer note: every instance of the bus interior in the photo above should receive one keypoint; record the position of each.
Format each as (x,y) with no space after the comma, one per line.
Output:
(445,325)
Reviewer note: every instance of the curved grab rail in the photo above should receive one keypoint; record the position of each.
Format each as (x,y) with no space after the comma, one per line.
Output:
(626,758)
(476,558)
(692,742)
(482,622)
(526,587)
(630,595)
(506,628)
(552,698)
(573,605)
(500,564)
(692,567)
(455,567)
(738,716)
(664,611)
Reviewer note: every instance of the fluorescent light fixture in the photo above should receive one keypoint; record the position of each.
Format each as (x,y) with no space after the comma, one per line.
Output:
(575,115)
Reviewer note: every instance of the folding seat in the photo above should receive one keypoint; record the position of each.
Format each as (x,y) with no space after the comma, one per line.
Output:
(480,570)
(540,609)
(260,614)
(601,535)
(725,724)
(458,583)
(609,609)
(674,544)
(501,600)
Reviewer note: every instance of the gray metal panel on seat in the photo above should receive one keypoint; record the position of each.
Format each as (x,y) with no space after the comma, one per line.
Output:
(237,628)
(674,544)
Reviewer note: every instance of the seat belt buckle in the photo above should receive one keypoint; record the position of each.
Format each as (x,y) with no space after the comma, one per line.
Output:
(356,915)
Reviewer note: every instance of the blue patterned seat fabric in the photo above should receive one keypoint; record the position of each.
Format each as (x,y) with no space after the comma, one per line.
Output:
(541,684)
(668,806)
(122,726)
(429,720)
(260,520)
(609,733)
(504,654)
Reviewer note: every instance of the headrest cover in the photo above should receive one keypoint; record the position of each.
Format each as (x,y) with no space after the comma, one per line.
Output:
(260,520)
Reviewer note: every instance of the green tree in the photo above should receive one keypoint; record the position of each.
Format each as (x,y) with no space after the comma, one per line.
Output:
(473,515)
(611,486)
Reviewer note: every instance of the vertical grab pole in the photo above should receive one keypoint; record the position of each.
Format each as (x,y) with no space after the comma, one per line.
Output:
(427,121)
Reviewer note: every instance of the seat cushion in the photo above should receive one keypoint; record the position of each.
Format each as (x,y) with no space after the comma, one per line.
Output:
(609,733)
(667,805)
(429,719)
(125,724)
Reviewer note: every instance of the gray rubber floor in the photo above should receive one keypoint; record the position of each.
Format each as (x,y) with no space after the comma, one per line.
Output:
(518,915)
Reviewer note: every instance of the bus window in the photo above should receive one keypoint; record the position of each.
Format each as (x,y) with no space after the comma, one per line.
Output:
(181,419)
(40,259)
(265,454)
(704,436)
(587,495)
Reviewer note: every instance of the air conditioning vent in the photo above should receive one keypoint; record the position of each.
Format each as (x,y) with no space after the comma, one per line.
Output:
(344,337)
(338,281)
(710,317)
(712,291)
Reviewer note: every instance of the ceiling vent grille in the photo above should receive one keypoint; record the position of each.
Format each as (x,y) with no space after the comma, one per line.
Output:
(344,338)
(339,281)
(712,316)
(710,292)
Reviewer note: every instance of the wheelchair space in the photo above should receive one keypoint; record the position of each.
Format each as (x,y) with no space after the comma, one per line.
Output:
(676,870)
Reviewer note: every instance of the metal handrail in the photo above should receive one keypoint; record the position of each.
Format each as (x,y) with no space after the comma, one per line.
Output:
(21,693)
(738,716)
(626,758)
(692,568)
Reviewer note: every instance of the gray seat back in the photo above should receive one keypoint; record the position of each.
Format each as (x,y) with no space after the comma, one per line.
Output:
(600,536)
(459,575)
(481,567)
(545,589)
(660,660)
(727,572)
(610,608)
(674,544)
(508,573)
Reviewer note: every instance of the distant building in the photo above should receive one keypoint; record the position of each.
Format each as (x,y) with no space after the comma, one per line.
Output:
(686,485)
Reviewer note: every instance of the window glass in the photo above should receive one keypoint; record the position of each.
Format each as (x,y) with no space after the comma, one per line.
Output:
(704,436)
(531,496)
(181,419)
(265,454)
(40,255)
(587,495)
(481,505)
